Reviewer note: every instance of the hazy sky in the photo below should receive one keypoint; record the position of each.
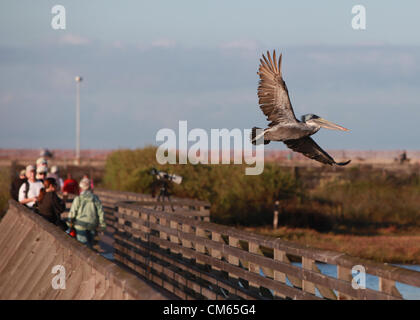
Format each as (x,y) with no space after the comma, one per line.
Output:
(148,64)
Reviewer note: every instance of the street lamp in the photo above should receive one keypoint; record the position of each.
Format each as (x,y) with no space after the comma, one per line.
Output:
(78,80)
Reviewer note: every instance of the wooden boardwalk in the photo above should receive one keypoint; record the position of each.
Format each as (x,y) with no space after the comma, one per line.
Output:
(196,259)
(30,247)
(159,254)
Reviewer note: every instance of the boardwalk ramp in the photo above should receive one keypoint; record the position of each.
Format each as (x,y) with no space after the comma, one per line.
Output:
(39,261)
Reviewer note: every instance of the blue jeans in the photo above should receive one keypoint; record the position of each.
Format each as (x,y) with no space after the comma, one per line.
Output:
(86,237)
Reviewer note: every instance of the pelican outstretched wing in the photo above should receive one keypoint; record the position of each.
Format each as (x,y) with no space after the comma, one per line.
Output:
(272,92)
(310,149)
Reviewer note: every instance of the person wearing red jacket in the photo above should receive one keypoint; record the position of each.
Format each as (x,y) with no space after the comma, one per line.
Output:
(70,185)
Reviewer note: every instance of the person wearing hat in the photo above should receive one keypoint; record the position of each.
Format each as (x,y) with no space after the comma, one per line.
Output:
(86,214)
(41,173)
(54,174)
(16,184)
(41,166)
(29,190)
(41,162)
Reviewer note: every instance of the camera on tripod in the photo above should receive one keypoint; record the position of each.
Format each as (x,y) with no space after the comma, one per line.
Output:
(163,180)
(160,175)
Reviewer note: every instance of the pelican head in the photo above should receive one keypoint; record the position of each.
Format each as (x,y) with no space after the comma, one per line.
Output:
(316,121)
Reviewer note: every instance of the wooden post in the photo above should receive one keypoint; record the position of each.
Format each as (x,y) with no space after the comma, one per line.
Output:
(199,232)
(152,220)
(306,285)
(388,287)
(344,274)
(279,276)
(252,267)
(233,242)
(121,220)
(174,225)
(163,235)
(186,228)
(215,236)
(135,214)
(144,227)
(276,215)
(207,211)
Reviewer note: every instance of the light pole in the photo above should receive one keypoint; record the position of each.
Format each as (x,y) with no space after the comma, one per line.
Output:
(78,80)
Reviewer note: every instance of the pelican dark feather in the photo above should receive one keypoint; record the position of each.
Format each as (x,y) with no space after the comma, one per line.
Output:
(275,103)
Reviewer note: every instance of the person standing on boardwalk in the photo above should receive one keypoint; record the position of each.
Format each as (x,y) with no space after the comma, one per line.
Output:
(41,173)
(49,205)
(30,189)
(86,176)
(16,184)
(86,214)
(70,185)
(54,173)
(41,167)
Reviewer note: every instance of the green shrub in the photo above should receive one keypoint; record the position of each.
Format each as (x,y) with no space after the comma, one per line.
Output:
(356,198)
(375,198)
(235,197)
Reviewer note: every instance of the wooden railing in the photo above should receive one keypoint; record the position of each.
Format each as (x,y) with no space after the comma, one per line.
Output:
(109,196)
(188,207)
(197,259)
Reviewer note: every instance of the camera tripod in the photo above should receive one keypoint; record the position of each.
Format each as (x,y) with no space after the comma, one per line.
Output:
(164,192)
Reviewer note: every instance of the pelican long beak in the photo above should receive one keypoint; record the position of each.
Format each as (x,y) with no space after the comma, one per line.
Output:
(328,125)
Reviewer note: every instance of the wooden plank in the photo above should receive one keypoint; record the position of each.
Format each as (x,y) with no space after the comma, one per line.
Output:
(8,254)
(36,257)
(12,270)
(100,285)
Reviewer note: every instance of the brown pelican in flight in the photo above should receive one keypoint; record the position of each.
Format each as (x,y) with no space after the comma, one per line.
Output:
(275,103)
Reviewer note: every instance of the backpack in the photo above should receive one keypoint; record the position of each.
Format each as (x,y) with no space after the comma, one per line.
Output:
(26,183)
(87,215)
